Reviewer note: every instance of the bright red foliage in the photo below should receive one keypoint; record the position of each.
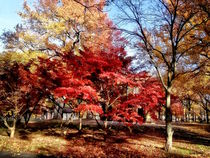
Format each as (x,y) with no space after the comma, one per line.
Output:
(147,99)
(101,82)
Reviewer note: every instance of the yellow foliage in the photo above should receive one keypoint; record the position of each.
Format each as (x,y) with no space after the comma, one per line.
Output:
(60,22)
(22,57)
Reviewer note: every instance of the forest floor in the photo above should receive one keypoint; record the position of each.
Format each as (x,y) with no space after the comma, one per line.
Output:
(47,139)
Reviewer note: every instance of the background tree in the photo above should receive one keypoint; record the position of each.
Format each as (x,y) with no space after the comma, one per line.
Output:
(20,93)
(193,88)
(13,96)
(54,26)
(171,33)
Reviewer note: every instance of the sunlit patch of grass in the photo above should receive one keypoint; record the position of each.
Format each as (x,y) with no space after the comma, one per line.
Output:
(38,143)
(192,150)
(183,151)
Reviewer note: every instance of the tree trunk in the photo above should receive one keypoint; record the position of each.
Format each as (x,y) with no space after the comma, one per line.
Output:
(27,117)
(80,122)
(12,129)
(130,129)
(184,116)
(169,131)
(159,110)
(12,132)
(207,116)
(190,117)
(195,117)
(105,123)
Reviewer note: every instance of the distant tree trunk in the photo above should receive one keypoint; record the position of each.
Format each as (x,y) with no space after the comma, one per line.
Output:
(189,110)
(207,115)
(80,122)
(194,115)
(130,129)
(202,116)
(190,117)
(183,117)
(186,116)
(105,123)
(159,110)
(195,118)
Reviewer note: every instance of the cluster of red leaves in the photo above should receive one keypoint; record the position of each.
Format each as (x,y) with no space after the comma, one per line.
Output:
(89,107)
(177,109)
(148,98)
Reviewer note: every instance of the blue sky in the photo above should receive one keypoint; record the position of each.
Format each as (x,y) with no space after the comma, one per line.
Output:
(9,15)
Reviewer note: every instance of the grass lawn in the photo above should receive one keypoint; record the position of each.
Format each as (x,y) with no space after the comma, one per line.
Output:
(42,140)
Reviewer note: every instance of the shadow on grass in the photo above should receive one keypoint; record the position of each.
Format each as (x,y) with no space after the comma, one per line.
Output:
(108,142)
(24,134)
(90,146)
(181,135)
(191,137)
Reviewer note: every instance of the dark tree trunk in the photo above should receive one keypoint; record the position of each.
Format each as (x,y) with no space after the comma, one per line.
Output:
(195,118)
(159,110)
(27,117)
(194,115)
(207,116)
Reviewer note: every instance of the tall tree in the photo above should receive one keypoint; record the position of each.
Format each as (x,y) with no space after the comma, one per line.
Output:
(171,33)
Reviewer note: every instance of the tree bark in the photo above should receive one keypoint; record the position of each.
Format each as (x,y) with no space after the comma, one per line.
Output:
(169,130)
(207,116)
(11,129)
(105,123)
(195,117)
(12,132)
(80,122)
(159,110)
(27,117)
